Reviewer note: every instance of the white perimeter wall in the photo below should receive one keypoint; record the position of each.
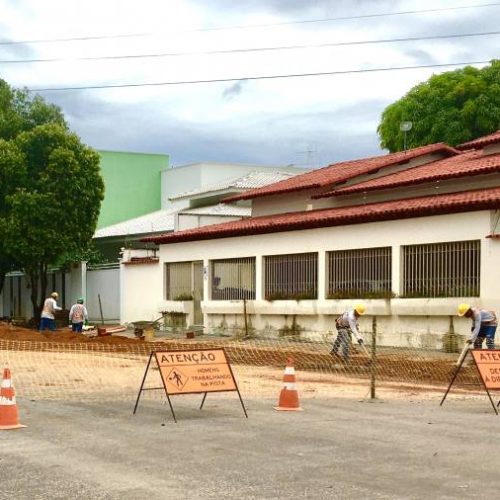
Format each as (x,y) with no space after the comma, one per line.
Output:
(106,283)
(141,292)
(395,316)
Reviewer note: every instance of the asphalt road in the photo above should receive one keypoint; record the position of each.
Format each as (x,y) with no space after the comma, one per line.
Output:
(332,449)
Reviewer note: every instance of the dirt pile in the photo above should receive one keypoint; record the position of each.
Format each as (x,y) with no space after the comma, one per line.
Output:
(60,336)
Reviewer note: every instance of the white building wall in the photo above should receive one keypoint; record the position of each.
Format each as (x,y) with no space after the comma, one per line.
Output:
(141,291)
(178,180)
(190,221)
(398,318)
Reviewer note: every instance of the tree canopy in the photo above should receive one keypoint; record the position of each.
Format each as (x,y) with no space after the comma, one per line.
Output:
(453,107)
(50,189)
(21,111)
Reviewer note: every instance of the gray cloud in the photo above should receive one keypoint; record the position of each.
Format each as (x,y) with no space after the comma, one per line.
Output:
(296,134)
(420,56)
(233,90)
(16,50)
(333,135)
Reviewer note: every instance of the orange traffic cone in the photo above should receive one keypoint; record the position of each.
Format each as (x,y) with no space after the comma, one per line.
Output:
(8,407)
(289,397)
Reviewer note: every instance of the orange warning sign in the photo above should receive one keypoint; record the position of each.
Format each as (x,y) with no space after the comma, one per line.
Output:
(488,364)
(195,371)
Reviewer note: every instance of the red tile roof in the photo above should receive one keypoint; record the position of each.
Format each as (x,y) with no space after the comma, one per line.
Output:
(340,172)
(468,201)
(464,165)
(481,141)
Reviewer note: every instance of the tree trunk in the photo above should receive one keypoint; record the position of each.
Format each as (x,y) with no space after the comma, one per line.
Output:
(33,277)
(43,283)
(38,284)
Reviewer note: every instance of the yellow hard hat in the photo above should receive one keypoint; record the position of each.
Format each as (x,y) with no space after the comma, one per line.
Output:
(462,309)
(360,308)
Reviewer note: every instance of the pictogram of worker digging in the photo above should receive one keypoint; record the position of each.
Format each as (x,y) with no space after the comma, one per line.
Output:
(177,378)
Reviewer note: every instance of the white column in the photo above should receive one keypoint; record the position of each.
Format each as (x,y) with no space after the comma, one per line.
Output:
(321,275)
(259,277)
(207,280)
(397,269)
(123,294)
(83,275)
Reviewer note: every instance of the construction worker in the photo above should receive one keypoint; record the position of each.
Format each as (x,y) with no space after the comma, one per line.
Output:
(484,325)
(346,325)
(78,315)
(48,319)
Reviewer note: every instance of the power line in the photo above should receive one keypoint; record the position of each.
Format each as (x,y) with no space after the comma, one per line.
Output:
(264,77)
(254,49)
(251,26)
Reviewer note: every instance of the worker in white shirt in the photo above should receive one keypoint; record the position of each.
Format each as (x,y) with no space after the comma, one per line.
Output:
(77,316)
(48,319)
(347,325)
(484,325)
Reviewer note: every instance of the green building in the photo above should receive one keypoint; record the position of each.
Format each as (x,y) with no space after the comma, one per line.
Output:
(132,185)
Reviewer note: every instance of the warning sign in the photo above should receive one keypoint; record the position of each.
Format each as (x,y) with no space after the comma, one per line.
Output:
(488,364)
(195,371)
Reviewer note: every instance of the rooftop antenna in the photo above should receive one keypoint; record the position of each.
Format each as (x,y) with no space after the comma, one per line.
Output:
(405,127)
(310,155)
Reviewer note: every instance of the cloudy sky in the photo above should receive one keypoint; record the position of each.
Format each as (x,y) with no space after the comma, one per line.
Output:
(307,121)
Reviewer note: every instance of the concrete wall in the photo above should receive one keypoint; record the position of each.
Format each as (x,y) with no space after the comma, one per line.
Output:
(106,284)
(141,290)
(15,299)
(428,319)
(78,282)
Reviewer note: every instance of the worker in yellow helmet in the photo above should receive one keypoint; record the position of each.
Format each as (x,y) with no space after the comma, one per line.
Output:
(484,325)
(346,326)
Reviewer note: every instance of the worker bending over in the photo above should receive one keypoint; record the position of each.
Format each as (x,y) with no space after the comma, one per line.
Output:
(346,326)
(484,325)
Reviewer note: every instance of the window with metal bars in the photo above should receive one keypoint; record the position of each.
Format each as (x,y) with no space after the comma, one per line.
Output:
(292,276)
(233,279)
(442,269)
(360,273)
(179,281)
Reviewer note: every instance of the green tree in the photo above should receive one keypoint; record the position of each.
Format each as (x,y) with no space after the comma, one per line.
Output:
(19,112)
(11,175)
(453,107)
(54,207)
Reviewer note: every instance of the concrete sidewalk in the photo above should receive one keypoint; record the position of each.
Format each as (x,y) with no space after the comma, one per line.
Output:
(333,449)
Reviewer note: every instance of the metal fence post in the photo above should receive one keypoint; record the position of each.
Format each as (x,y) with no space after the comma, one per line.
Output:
(373,368)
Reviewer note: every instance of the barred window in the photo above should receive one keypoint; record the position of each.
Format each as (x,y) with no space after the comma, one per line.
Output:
(364,272)
(233,279)
(179,280)
(442,269)
(291,276)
